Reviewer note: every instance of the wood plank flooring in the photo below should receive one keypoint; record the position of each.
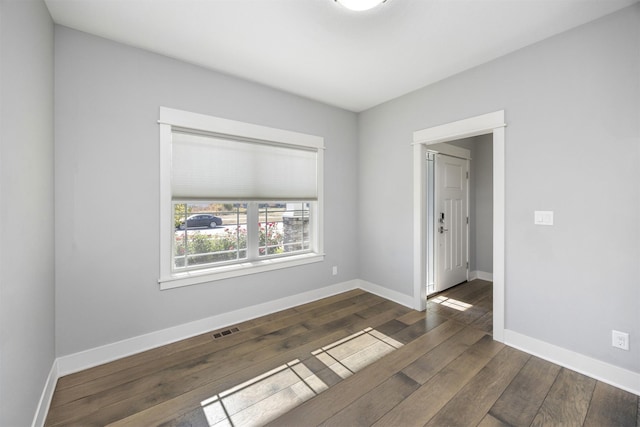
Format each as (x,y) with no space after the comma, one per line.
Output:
(353,359)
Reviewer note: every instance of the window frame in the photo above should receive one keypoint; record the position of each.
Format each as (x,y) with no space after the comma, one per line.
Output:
(172,118)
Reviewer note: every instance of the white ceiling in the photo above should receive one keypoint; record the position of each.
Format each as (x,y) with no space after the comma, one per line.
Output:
(317,49)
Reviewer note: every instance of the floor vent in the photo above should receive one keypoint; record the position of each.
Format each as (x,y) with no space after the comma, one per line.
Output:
(225,333)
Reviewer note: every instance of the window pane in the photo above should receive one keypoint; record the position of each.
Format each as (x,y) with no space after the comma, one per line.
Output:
(283,227)
(207,233)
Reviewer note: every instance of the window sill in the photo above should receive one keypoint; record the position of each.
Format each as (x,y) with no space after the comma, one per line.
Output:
(228,271)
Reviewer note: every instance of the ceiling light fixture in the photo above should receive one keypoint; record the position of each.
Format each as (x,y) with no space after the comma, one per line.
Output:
(360,5)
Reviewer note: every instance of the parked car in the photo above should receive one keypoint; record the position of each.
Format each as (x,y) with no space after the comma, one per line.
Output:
(201,220)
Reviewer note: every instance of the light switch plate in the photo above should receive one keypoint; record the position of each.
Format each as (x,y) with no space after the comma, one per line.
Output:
(543,217)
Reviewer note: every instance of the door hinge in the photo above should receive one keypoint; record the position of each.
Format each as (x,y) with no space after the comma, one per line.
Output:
(467,220)
(467,175)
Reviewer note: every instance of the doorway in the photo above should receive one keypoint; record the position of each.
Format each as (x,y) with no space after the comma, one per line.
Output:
(491,123)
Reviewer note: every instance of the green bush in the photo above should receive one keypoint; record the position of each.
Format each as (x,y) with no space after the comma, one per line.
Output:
(225,246)
(271,240)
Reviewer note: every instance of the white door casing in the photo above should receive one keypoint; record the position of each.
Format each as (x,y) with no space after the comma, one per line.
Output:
(492,123)
(451,228)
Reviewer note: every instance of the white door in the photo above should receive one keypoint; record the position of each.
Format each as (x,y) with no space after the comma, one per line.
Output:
(451,222)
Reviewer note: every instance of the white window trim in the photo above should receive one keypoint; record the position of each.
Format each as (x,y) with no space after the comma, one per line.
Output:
(170,118)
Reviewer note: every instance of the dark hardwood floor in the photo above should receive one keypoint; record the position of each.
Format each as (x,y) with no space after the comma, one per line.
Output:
(351,359)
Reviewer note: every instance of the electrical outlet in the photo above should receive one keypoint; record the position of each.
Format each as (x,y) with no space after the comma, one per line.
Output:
(620,340)
(543,217)
(335,270)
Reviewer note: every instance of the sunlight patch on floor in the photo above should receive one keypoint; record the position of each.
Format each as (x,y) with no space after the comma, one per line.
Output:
(264,397)
(451,303)
(356,351)
(267,396)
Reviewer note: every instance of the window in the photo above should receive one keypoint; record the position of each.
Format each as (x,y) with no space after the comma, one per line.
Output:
(221,235)
(236,198)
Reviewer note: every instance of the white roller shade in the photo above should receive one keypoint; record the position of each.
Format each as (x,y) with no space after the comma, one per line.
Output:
(211,167)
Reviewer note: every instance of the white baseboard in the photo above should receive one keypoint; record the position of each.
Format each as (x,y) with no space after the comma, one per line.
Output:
(386,293)
(482,275)
(47,394)
(601,371)
(107,353)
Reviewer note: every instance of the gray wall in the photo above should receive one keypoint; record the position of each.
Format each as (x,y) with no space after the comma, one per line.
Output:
(480,201)
(26,214)
(572,105)
(482,182)
(107,189)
